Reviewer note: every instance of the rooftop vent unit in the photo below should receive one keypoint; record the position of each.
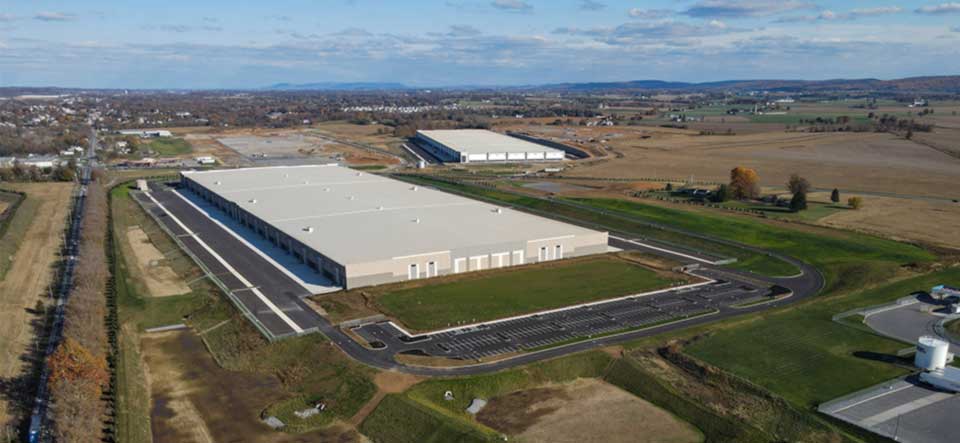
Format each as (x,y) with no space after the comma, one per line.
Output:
(326,189)
(306,182)
(352,197)
(498,211)
(217,183)
(253,200)
(308,229)
(359,174)
(414,188)
(416,220)
(379,208)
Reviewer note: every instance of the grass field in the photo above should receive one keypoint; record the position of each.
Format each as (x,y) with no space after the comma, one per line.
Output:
(845,258)
(168,147)
(759,263)
(518,291)
(804,356)
(399,419)
(14,227)
(30,248)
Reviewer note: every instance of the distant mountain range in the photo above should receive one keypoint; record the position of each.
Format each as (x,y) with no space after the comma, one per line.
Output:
(939,84)
(334,86)
(933,84)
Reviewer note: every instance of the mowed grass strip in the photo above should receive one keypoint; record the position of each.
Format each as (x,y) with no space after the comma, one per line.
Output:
(834,252)
(806,357)
(518,291)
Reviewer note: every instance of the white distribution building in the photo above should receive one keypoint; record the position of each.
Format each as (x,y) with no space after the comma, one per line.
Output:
(479,146)
(361,229)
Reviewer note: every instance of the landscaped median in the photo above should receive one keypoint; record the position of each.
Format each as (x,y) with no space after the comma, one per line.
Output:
(472,298)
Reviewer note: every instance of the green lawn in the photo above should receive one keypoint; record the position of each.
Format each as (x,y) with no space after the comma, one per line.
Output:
(518,291)
(759,263)
(13,228)
(804,356)
(170,146)
(399,419)
(847,259)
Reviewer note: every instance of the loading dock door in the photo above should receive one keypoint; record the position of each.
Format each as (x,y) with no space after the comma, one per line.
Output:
(432,269)
(413,272)
(517,258)
(459,265)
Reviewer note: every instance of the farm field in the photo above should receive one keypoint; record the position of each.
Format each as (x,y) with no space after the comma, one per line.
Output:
(804,356)
(32,243)
(517,291)
(876,162)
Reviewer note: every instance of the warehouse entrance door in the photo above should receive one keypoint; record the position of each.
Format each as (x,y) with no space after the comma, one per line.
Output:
(413,272)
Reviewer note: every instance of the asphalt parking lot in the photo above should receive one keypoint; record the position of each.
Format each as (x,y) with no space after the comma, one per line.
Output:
(901,409)
(558,326)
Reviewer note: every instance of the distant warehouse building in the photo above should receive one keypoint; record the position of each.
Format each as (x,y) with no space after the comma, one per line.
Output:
(360,229)
(479,145)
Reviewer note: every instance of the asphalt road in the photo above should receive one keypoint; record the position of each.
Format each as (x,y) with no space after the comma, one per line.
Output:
(269,286)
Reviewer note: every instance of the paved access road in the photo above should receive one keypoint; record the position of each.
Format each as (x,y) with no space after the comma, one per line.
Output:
(274,302)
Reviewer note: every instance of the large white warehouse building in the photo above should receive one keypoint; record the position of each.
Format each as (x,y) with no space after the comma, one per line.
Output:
(479,145)
(361,229)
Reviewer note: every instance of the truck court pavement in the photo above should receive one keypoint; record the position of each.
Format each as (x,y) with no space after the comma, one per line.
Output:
(903,409)
(273,301)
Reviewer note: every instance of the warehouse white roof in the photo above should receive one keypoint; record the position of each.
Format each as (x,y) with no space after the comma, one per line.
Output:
(359,217)
(481,141)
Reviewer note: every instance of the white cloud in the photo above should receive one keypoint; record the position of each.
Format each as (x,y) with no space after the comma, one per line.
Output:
(744,8)
(649,13)
(828,15)
(942,8)
(511,5)
(49,16)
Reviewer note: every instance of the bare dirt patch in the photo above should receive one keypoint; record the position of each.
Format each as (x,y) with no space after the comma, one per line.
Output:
(160,279)
(194,399)
(587,410)
(25,283)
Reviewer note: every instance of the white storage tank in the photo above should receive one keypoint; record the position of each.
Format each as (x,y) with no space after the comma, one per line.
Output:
(932,353)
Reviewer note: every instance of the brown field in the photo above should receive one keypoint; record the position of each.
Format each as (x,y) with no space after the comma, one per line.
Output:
(855,161)
(586,410)
(26,283)
(933,222)
(159,278)
(197,401)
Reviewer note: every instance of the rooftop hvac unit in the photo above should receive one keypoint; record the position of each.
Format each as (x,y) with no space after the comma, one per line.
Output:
(253,200)
(217,183)
(326,189)
(498,211)
(416,220)
(308,229)
(413,188)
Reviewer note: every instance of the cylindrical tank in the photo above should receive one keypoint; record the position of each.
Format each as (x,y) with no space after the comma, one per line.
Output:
(931,353)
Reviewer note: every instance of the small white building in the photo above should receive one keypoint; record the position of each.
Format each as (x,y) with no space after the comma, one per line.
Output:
(206,160)
(39,161)
(146,133)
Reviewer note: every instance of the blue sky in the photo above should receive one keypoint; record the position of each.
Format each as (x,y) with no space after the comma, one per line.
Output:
(237,44)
